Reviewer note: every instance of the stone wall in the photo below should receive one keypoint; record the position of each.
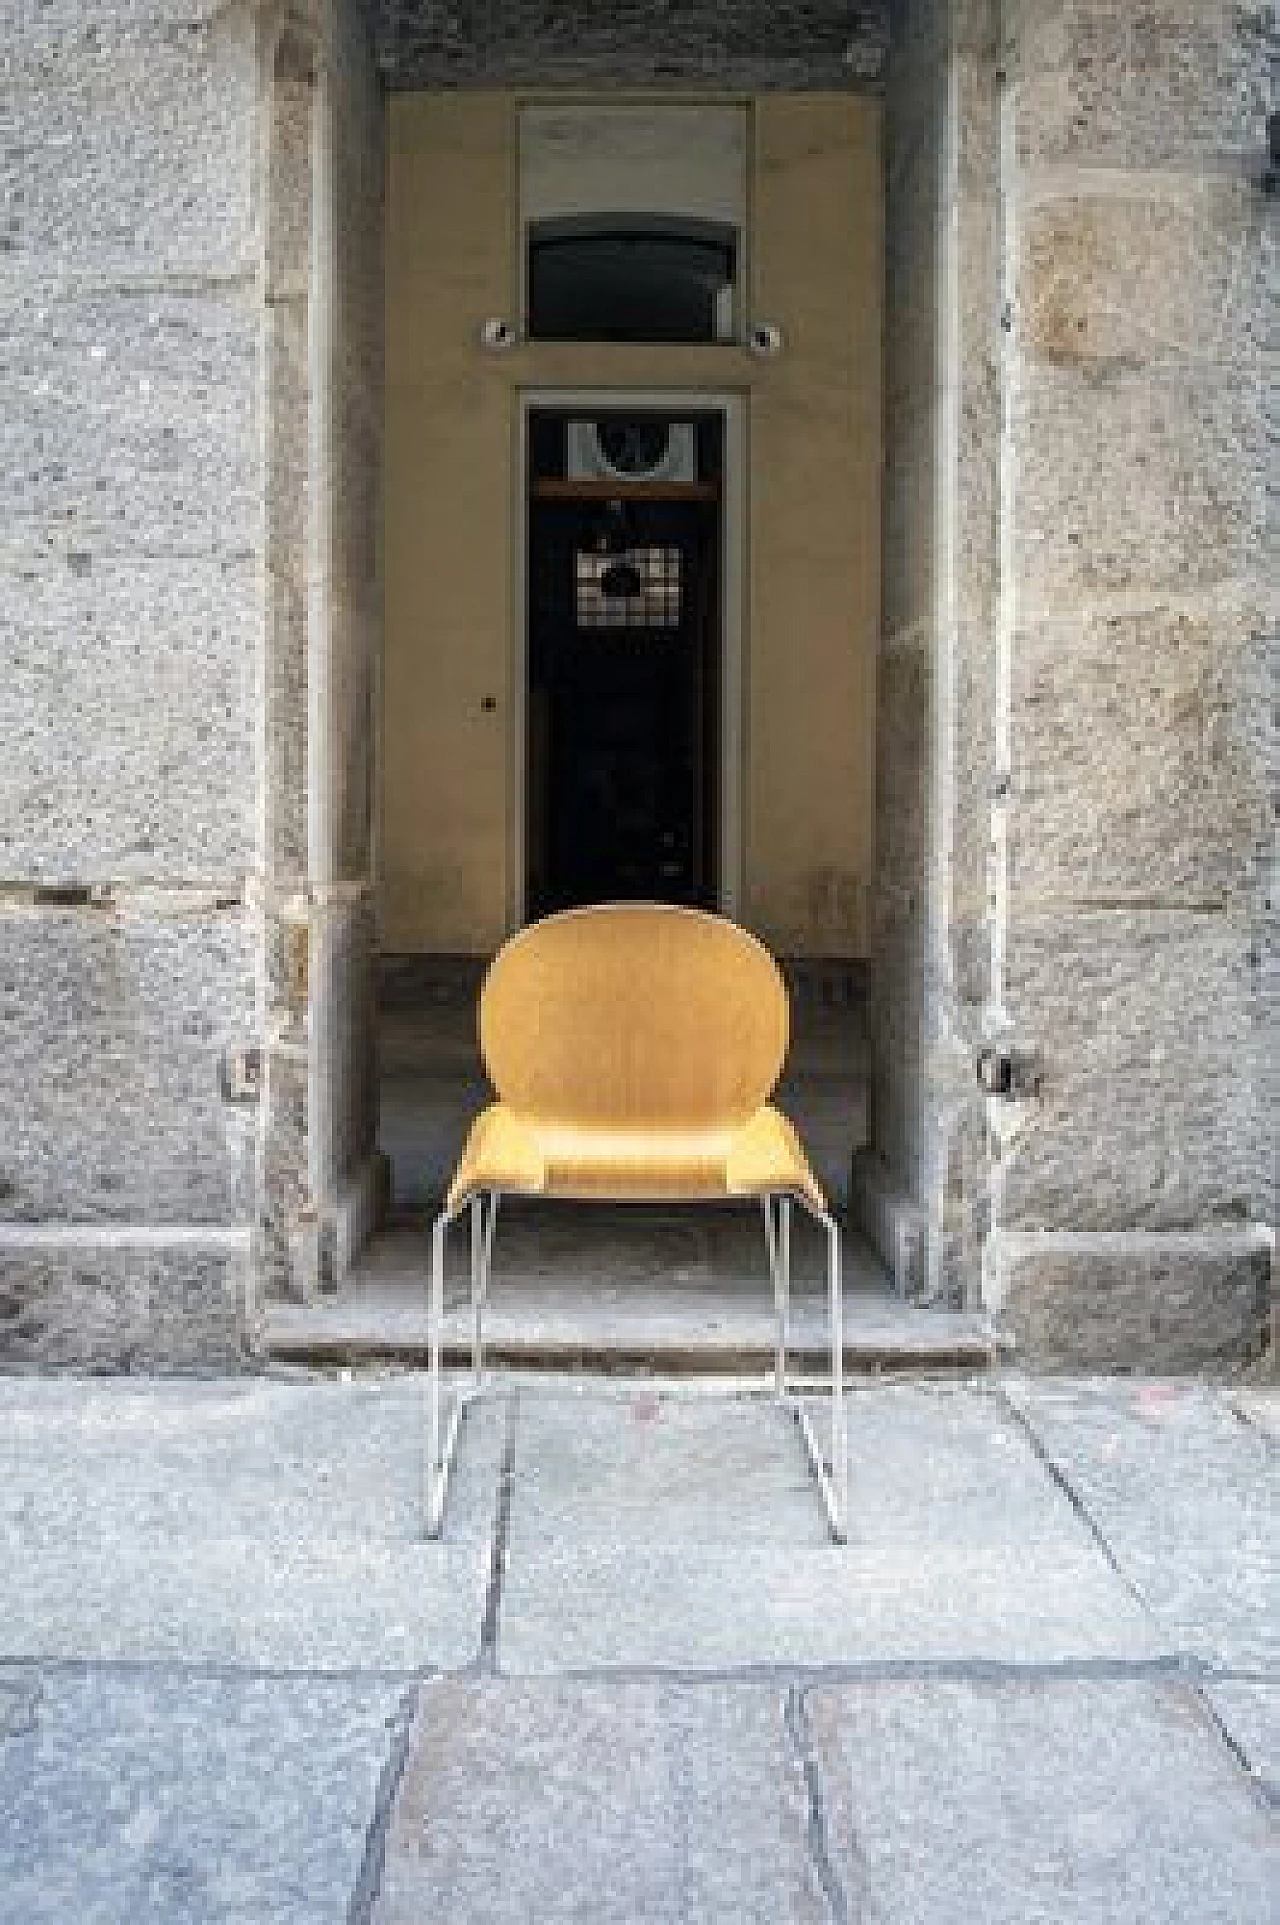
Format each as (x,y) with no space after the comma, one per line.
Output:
(1075,747)
(131,619)
(322,132)
(1076,754)
(923,1185)
(189,613)
(1136,614)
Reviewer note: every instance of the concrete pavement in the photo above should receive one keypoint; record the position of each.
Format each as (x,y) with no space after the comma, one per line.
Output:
(635,1681)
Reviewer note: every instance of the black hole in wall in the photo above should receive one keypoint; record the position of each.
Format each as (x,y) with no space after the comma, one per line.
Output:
(64,895)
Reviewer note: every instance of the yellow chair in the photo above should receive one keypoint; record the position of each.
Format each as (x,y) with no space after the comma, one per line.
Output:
(633,1048)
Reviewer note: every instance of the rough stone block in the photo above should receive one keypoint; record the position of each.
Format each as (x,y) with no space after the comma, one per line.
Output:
(355,650)
(289,433)
(286,671)
(1135,480)
(975,91)
(897,1032)
(974,510)
(128,423)
(291,1223)
(895,1226)
(1180,274)
(911,482)
(290,177)
(1170,83)
(118,1022)
(976,782)
(1138,765)
(353,493)
(130,144)
(1151,1112)
(763,44)
(127,717)
(53,21)
(904,695)
(1139,1301)
(112,1300)
(343,1028)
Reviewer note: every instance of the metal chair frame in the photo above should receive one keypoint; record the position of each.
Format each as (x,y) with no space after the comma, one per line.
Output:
(831,1472)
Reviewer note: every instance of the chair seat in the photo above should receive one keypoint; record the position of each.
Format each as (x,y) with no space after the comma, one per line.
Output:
(516,1153)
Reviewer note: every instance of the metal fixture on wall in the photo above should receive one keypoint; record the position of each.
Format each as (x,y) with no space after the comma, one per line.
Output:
(1005,1070)
(497,334)
(765,339)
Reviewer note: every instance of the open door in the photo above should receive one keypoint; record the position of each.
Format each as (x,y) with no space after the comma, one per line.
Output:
(625,658)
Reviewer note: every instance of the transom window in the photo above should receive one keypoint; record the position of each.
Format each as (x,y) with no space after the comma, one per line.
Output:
(631,278)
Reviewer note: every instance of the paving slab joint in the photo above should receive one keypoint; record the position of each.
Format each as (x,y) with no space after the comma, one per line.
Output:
(1250,1422)
(1073,1497)
(1266,1793)
(796,1715)
(488,1658)
(24,1689)
(369,1881)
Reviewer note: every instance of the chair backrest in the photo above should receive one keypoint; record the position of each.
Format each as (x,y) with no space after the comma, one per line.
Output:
(634,1015)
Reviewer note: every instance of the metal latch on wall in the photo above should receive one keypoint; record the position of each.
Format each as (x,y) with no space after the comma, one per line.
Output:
(240,1074)
(1005,1070)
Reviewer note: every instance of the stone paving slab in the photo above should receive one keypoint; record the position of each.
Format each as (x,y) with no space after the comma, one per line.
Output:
(725,1608)
(1187,1498)
(171,1798)
(649,1466)
(602,1801)
(926,1800)
(244,1523)
(240,1456)
(1037,1802)
(248,1602)
(661,1530)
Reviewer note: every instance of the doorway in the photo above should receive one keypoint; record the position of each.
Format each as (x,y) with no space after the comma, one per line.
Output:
(625,660)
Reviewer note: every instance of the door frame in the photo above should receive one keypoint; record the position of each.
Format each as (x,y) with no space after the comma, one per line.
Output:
(732,410)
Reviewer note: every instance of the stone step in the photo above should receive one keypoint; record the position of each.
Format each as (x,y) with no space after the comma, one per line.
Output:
(602,1291)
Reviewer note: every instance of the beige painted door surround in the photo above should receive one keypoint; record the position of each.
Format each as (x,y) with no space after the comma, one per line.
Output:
(807,467)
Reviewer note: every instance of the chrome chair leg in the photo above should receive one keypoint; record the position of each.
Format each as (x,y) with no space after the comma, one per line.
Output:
(775,1277)
(831,1471)
(442,1436)
(436,1480)
(784,1294)
(777,1238)
(478,1215)
(484,1217)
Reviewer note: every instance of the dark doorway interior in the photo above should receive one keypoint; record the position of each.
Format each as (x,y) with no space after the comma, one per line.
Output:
(625,658)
